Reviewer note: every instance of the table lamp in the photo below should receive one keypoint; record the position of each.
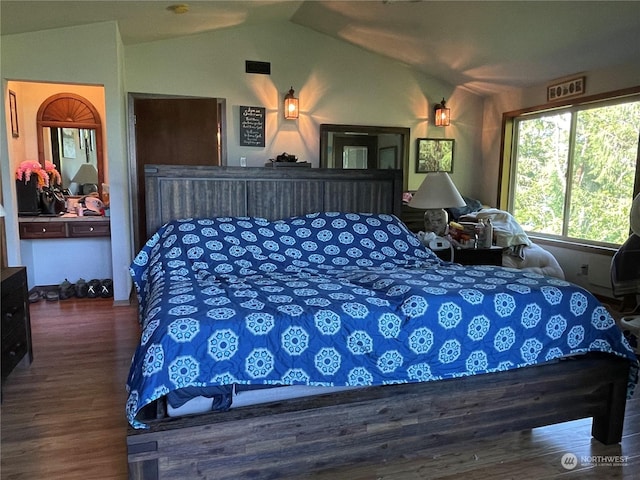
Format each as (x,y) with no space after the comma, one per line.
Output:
(436,193)
(86,178)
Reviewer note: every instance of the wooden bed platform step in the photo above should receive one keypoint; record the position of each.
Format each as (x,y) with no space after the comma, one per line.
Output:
(374,425)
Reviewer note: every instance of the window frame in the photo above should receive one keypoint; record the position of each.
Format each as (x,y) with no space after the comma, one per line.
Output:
(507,148)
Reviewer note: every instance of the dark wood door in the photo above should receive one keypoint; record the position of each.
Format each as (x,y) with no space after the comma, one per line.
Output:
(172,131)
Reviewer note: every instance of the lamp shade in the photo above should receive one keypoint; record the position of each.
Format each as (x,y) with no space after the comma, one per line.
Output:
(87,173)
(437,191)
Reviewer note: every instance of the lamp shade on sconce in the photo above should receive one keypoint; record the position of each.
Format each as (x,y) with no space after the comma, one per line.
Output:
(436,193)
(442,114)
(291,111)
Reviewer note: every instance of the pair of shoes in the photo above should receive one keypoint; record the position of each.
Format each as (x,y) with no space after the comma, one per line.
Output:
(106,288)
(52,296)
(66,290)
(81,288)
(93,288)
(35,295)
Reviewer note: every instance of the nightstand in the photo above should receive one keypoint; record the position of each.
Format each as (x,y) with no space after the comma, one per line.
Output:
(16,323)
(478,256)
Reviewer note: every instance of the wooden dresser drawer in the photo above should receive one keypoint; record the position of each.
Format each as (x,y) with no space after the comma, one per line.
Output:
(12,310)
(35,228)
(14,348)
(42,230)
(89,229)
(16,323)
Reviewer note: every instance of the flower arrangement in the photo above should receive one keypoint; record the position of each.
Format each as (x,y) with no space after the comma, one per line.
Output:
(45,175)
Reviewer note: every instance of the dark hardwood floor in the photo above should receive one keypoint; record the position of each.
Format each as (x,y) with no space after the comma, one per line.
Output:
(63,416)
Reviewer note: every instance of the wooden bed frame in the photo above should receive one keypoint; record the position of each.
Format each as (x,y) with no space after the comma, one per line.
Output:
(371,425)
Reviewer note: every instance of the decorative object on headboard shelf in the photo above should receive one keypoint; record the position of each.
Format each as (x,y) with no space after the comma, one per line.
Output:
(436,193)
(286,160)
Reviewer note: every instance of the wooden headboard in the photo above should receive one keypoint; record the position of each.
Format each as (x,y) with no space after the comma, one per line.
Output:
(173,191)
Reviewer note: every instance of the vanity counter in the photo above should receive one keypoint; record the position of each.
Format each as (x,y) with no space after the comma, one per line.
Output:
(64,227)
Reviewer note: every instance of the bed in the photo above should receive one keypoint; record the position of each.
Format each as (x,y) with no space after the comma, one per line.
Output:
(341,294)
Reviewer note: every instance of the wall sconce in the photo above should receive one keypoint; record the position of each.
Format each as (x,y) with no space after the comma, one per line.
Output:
(291,111)
(442,114)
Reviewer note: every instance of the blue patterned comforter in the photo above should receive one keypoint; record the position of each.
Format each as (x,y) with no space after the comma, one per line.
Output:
(339,299)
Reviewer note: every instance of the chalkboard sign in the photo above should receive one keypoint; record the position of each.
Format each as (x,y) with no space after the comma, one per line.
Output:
(252,126)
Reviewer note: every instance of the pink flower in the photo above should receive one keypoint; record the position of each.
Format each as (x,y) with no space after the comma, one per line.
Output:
(30,167)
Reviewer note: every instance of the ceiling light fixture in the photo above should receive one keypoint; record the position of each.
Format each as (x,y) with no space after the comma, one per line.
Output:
(179,9)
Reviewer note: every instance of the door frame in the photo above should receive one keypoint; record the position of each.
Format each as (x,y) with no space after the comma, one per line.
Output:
(133,160)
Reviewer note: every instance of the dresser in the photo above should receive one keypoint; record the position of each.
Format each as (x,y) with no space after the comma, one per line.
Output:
(64,227)
(16,323)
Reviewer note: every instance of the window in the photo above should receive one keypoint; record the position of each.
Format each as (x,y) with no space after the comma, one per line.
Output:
(574,170)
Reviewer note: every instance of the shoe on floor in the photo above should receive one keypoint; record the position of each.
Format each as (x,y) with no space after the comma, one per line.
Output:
(66,290)
(106,288)
(52,296)
(93,288)
(35,295)
(81,288)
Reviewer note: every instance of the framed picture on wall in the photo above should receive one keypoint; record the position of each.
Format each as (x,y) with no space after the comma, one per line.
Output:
(13,108)
(434,155)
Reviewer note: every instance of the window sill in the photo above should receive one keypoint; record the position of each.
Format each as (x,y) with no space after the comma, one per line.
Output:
(576,245)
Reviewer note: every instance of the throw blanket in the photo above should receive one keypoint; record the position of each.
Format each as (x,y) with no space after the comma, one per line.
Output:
(333,299)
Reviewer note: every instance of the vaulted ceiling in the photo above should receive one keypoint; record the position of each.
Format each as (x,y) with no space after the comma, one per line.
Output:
(483,46)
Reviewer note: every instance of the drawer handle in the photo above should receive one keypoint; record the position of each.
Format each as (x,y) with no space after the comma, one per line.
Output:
(91,229)
(44,230)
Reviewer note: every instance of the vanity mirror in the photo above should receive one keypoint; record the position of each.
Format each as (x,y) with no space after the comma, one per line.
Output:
(365,147)
(70,136)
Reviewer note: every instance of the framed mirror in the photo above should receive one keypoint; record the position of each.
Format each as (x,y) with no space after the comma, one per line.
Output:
(70,136)
(73,151)
(365,147)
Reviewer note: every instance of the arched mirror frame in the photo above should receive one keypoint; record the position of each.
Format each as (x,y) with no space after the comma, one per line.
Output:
(68,110)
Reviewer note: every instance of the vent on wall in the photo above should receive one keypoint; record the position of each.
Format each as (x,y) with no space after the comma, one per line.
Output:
(252,66)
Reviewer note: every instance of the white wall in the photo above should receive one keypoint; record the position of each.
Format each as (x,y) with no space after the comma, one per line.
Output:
(597,81)
(335,82)
(86,55)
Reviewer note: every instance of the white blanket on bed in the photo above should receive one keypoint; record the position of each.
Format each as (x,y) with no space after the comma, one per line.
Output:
(507,232)
(536,259)
(520,251)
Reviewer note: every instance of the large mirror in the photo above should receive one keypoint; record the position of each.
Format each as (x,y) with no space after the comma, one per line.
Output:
(73,152)
(365,147)
(70,136)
